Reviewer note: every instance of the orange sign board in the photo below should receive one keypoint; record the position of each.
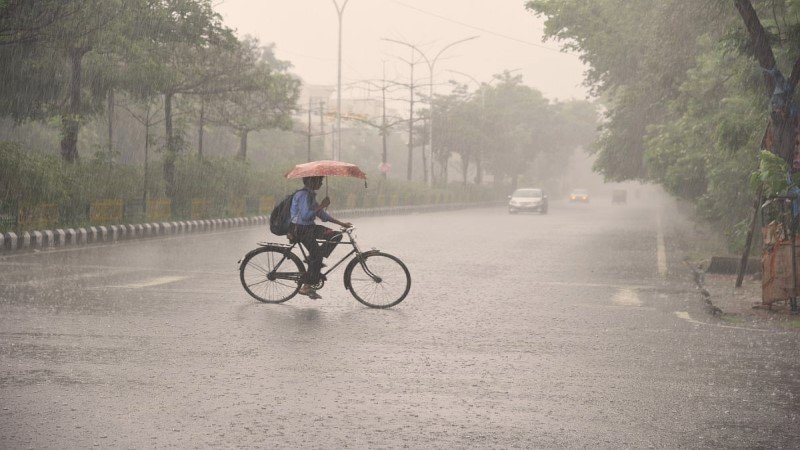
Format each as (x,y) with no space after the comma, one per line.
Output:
(39,217)
(106,212)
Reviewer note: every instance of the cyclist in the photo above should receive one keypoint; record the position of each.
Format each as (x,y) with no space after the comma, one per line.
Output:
(304,211)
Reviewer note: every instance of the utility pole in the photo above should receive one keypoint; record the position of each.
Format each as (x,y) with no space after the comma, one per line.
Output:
(383,125)
(411,121)
(384,130)
(424,143)
(411,102)
(146,156)
(322,126)
(200,127)
(333,140)
(308,158)
(110,123)
(340,12)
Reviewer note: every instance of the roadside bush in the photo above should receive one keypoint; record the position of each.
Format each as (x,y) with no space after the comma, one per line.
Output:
(29,179)
(230,187)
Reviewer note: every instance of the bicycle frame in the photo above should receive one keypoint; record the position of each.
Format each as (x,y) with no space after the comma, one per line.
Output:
(350,240)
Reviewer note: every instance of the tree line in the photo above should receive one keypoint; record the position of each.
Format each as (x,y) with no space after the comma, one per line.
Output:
(510,130)
(71,60)
(684,87)
(100,69)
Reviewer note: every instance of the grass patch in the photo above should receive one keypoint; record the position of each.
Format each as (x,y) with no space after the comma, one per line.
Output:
(791,323)
(732,318)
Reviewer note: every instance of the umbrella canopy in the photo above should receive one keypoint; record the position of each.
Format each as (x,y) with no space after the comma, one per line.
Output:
(326,169)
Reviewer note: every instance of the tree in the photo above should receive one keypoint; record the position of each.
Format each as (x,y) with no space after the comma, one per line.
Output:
(39,37)
(267,99)
(459,128)
(518,115)
(638,54)
(33,83)
(26,21)
(685,105)
(188,51)
(784,116)
(145,112)
(513,128)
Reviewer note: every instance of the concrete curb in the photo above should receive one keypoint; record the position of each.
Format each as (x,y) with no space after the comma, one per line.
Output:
(49,239)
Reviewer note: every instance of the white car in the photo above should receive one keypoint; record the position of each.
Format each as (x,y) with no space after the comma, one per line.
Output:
(527,199)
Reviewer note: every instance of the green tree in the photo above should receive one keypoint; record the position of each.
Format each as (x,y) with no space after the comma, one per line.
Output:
(27,21)
(513,128)
(517,118)
(637,55)
(267,99)
(685,103)
(460,130)
(188,52)
(49,36)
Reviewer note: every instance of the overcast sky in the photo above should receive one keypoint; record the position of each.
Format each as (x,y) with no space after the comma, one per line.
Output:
(305,33)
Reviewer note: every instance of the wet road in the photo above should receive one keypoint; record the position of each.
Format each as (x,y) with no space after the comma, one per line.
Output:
(519,331)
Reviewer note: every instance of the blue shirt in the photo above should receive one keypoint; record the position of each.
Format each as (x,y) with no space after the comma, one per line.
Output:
(303,205)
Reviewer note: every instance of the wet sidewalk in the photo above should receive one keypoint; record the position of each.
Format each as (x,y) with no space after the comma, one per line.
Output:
(743,305)
(692,243)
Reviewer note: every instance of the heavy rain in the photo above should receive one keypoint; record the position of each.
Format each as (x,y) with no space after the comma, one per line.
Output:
(399,224)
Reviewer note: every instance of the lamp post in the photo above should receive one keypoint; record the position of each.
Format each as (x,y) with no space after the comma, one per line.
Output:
(431,63)
(340,12)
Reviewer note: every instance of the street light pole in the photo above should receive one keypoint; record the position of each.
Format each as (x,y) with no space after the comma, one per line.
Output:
(340,12)
(431,63)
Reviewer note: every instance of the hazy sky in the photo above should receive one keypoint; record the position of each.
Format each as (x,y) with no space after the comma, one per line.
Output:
(305,33)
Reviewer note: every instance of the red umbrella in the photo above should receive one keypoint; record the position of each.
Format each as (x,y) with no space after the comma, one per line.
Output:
(326,169)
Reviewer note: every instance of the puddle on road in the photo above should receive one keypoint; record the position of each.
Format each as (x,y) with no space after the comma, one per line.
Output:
(154,282)
(626,297)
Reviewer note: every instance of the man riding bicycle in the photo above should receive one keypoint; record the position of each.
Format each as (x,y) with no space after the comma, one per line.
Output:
(304,211)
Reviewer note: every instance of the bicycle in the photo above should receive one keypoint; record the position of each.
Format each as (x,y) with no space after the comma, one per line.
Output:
(271,273)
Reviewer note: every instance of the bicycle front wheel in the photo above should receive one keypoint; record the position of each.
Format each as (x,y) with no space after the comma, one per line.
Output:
(379,280)
(271,274)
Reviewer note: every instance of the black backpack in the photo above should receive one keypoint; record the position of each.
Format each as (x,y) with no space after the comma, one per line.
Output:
(280,217)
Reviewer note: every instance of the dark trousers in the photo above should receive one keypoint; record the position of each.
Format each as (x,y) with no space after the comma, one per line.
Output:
(308,235)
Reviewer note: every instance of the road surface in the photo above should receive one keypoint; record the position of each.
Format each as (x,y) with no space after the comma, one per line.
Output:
(579,328)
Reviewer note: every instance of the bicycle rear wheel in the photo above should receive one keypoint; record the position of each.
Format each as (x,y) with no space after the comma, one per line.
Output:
(380,280)
(271,274)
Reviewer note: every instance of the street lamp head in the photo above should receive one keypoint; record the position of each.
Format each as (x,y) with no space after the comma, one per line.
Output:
(451,45)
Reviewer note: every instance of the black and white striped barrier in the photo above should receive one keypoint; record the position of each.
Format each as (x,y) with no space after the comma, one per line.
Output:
(40,240)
